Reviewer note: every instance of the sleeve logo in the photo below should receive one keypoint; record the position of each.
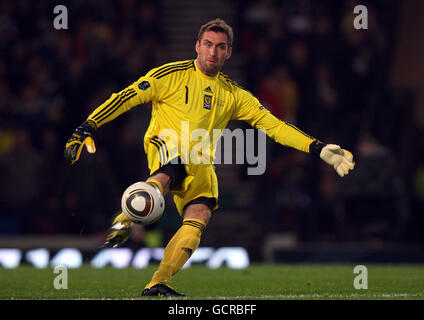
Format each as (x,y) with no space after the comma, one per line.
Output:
(144,85)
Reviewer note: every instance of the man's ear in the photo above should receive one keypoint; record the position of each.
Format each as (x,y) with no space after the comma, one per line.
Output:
(230,50)
(197,46)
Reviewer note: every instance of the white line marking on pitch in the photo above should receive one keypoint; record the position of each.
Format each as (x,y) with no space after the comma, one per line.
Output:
(323,296)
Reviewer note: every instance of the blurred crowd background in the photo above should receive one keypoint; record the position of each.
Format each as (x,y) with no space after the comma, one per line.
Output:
(303,59)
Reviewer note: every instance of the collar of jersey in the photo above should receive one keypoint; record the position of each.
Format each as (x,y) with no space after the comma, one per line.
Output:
(202,74)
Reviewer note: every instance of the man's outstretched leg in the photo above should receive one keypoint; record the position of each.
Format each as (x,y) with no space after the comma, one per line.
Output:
(179,249)
(121,226)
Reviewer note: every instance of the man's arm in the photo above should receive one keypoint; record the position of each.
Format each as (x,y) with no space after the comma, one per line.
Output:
(250,110)
(143,90)
(116,105)
(154,86)
(289,135)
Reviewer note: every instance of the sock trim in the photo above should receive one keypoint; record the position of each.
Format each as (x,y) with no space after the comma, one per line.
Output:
(156,183)
(195,223)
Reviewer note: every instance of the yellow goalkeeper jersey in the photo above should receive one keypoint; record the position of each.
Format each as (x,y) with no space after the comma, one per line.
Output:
(185,99)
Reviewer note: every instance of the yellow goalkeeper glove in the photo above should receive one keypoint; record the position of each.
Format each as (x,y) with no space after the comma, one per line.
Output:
(340,159)
(83,135)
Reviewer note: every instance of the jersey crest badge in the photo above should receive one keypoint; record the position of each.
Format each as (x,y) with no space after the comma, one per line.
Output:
(207,102)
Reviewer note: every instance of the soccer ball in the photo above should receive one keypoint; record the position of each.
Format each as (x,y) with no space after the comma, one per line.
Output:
(143,203)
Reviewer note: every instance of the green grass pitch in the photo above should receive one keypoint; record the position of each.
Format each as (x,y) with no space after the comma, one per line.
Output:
(258,282)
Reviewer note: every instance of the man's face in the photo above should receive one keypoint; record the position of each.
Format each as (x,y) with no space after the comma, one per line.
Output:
(212,51)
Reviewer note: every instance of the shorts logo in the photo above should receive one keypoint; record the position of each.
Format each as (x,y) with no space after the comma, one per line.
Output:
(207,102)
(144,85)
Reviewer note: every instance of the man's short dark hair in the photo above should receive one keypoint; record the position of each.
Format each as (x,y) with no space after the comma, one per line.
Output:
(217,25)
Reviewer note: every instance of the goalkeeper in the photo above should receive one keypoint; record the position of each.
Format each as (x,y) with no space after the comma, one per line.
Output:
(197,93)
